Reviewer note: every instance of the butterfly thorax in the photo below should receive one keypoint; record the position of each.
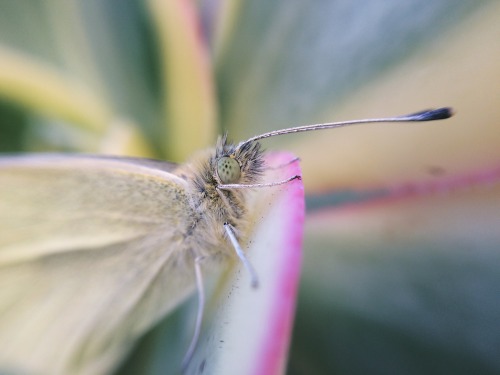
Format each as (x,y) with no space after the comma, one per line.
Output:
(212,206)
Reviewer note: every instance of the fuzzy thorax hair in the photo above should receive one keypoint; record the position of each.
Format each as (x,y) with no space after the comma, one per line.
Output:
(214,206)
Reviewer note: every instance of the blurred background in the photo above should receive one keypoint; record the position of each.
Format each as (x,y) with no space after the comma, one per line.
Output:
(402,245)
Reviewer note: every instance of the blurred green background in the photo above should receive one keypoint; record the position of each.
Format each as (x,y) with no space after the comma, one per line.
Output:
(409,286)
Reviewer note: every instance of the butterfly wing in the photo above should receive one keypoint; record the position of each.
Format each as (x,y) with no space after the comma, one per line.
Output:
(90,257)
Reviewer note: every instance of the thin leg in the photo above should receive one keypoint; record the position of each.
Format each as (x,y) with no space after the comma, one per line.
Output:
(199,314)
(239,251)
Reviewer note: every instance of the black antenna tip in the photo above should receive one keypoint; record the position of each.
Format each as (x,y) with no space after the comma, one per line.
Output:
(432,114)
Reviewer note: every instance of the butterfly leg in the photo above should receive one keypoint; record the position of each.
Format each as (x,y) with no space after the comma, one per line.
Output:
(239,251)
(199,314)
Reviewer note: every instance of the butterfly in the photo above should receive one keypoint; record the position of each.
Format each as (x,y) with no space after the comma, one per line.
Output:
(94,250)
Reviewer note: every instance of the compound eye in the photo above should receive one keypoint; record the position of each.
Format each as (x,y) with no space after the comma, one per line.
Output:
(228,170)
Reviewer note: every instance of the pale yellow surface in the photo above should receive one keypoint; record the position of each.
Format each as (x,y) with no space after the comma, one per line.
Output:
(461,69)
(189,98)
(35,84)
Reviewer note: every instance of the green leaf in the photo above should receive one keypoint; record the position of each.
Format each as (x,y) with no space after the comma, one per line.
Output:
(403,285)
(288,63)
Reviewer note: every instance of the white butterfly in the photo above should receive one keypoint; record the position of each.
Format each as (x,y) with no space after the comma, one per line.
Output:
(95,250)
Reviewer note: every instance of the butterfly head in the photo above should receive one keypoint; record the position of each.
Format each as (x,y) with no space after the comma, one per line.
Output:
(238,164)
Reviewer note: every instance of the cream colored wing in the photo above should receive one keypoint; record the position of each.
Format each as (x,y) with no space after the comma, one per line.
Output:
(90,257)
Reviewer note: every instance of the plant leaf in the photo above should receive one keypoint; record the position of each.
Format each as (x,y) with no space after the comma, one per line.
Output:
(287,63)
(251,329)
(445,72)
(404,285)
(189,95)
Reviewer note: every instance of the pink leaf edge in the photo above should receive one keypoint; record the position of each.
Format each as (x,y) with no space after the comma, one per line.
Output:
(275,348)
(485,178)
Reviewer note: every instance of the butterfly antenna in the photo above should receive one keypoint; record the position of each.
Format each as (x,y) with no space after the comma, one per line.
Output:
(199,315)
(427,115)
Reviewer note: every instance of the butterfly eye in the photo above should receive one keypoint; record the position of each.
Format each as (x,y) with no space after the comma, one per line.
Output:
(228,170)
